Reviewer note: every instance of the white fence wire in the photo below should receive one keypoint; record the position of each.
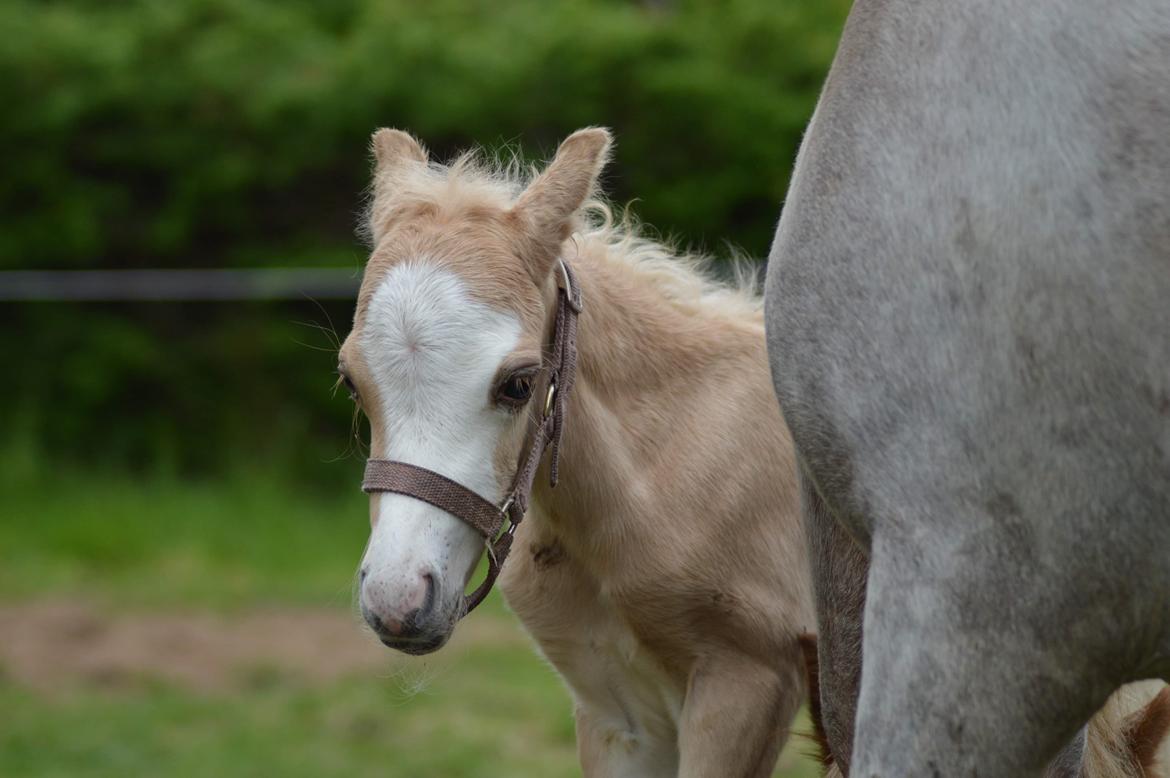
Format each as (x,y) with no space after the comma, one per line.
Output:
(178,285)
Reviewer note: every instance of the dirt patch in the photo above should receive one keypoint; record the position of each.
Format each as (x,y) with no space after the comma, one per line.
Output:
(53,645)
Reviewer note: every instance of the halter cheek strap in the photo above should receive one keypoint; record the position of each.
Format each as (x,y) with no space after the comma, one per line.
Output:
(484,516)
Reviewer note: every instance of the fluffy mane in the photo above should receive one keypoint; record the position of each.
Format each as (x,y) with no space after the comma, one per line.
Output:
(475,182)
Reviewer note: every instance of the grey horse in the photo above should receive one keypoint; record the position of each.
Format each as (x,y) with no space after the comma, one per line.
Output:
(968,310)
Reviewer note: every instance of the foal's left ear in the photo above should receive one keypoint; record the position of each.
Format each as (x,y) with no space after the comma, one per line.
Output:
(549,202)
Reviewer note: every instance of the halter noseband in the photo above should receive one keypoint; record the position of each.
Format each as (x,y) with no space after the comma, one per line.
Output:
(484,516)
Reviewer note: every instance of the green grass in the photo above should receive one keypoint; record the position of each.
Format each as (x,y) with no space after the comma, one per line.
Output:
(472,721)
(484,707)
(157,541)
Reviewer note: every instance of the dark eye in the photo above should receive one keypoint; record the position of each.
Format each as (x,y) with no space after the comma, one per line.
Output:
(349,386)
(516,389)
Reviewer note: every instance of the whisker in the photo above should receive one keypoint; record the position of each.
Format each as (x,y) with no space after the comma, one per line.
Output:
(328,318)
(356,431)
(314,348)
(329,332)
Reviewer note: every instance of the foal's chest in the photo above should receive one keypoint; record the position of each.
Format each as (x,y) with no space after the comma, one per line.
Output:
(616,680)
(616,674)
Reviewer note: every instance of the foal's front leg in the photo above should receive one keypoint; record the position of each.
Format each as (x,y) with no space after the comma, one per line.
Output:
(607,749)
(737,714)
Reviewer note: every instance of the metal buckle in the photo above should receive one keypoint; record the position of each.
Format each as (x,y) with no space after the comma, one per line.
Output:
(564,278)
(508,532)
(567,285)
(507,506)
(548,398)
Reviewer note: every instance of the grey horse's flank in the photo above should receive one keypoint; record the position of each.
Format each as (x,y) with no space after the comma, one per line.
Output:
(968,312)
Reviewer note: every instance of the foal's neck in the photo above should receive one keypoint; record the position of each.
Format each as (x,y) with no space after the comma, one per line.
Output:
(647,369)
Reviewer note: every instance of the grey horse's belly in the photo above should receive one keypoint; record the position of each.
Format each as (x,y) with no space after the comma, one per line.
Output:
(969,294)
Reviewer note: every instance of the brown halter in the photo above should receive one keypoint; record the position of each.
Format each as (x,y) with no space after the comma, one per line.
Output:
(484,516)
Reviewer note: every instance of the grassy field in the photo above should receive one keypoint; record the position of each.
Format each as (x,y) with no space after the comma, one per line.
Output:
(156,627)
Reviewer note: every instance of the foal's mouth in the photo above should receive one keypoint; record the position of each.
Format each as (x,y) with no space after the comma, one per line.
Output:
(416,647)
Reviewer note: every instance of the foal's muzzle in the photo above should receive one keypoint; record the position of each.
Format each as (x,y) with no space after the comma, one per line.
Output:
(497,523)
(418,630)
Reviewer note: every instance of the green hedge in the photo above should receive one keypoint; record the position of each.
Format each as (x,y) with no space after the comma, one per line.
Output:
(216,133)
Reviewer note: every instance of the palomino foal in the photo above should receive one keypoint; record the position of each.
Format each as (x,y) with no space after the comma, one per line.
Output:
(665,576)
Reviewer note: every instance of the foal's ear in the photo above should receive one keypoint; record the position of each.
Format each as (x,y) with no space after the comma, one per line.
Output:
(1147,729)
(396,155)
(549,202)
(393,148)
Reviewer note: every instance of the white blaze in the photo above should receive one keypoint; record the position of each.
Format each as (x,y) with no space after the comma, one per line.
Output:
(432,352)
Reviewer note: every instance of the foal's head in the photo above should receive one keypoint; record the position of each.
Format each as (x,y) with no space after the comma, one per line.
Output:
(445,354)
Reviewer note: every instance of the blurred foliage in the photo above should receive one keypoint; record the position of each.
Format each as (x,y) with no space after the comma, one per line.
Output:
(233,133)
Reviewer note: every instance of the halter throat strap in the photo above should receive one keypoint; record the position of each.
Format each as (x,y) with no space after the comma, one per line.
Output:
(482,515)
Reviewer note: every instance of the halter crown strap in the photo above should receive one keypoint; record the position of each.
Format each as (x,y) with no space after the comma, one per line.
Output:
(383,475)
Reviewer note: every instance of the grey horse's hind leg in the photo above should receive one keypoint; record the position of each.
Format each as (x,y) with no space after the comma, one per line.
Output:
(839,569)
(943,667)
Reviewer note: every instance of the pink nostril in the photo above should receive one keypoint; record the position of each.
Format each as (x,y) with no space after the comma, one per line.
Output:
(397,610)
(418,601)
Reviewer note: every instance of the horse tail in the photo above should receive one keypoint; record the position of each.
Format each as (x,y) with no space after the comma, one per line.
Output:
(812,672)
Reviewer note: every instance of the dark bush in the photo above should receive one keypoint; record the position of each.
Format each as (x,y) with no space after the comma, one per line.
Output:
(216,133)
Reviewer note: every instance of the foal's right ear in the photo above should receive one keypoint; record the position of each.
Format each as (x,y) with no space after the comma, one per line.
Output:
(393,148)
(396,155)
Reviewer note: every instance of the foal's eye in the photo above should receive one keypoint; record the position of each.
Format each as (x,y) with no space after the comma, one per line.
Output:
(516,389)
(350,387)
